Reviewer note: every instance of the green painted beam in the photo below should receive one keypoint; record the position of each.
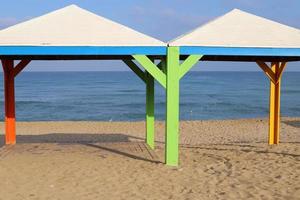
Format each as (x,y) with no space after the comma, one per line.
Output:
(172,107)
(151,68)
(135,69)
(149,110)
(188,64)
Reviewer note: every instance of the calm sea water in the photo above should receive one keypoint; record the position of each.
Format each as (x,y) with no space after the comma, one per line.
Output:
(118,96)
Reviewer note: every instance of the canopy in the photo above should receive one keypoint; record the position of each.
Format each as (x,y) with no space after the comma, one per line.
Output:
(75,31)
(239,33)
(236,36)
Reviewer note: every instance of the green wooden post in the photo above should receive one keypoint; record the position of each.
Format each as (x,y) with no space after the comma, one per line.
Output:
(151,72)
(172,107)
(168,76)
(150,110)
(175,71)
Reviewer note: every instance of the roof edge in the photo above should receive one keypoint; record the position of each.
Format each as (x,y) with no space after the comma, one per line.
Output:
(239,51)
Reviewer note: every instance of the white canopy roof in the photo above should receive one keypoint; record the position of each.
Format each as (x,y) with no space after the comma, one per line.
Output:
(240,29)
(73,26)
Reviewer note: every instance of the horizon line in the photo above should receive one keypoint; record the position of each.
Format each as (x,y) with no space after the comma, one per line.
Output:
(131,71)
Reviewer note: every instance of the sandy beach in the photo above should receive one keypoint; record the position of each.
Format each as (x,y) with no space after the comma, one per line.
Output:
(225,159)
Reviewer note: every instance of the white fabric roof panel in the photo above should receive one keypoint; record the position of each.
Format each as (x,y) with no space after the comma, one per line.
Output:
(241,29)
(73,26)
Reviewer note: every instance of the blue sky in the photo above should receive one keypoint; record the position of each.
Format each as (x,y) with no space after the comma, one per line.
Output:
(163,19)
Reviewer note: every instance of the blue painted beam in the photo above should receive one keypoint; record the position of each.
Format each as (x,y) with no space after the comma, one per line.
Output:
(146,50)
(82,50)
(239,51)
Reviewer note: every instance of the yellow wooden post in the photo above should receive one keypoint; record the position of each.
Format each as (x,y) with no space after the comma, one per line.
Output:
(275,105)
(274,73)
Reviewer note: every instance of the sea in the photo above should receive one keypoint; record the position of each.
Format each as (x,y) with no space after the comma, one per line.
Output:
(120,96)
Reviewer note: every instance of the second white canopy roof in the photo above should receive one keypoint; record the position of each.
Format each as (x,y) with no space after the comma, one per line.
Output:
(240,29)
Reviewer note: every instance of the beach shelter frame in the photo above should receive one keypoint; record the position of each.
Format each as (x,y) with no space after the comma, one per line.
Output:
(72,33)
(168,73)
(146,55)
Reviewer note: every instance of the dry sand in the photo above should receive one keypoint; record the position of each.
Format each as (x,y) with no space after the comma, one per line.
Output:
(108,160)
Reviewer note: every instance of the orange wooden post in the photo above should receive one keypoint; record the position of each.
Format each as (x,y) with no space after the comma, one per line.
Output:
(9,99)
(10,72)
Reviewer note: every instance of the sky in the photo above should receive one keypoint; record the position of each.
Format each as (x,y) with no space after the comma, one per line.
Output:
(162,19)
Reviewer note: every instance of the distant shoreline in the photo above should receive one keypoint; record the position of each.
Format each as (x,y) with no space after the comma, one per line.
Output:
(191,132)
(254,71)
(158,121)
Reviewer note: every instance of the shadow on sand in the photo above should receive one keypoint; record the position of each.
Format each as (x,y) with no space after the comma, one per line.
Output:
(293,123)
(98,141)
(242,148)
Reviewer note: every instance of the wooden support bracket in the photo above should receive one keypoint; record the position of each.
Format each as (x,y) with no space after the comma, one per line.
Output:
(151,68)
(274,77)
(20,66)
(268,71)
(188,64)
(140,73)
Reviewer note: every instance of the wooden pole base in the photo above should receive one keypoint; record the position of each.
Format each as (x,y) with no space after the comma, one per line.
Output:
(10,130)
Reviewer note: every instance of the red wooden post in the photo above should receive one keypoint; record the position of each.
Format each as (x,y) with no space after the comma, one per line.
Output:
(9,99)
